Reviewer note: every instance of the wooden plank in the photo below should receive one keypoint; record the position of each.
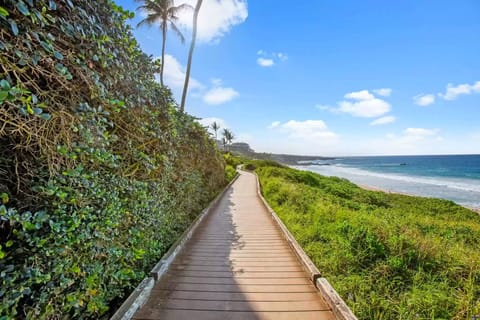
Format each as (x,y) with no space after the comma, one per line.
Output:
(235,296)
(205,263)
(211,274)
(239,268)
(157,314)
(187,259)
(240,250)
(171,286)
(230,246)
(235,255)
(239,281)
(259,306)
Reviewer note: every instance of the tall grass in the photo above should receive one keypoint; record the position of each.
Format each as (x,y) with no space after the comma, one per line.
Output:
(389,256)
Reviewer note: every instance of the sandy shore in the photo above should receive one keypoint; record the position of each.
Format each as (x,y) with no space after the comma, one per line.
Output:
(407,194)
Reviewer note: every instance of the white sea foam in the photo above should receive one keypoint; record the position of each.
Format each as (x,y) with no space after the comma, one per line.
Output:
(463,184)
(463,191)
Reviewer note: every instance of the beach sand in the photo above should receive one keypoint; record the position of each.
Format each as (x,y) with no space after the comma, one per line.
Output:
(477,210)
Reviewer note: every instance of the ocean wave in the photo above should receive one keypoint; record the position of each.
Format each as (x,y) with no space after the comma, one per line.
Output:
(473,186)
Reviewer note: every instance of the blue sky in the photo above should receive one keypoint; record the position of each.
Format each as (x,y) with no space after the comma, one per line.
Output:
(333,77)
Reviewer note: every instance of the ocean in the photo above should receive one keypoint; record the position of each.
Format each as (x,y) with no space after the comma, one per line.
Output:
(452,177)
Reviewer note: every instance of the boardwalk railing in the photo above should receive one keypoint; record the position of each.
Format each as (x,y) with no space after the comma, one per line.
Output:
(246,218)
(339,307)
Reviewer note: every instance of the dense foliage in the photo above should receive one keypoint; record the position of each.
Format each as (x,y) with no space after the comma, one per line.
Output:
(389,256)
(99,172)
(231,164)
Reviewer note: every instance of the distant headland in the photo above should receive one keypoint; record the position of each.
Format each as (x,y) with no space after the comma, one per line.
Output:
(244,149)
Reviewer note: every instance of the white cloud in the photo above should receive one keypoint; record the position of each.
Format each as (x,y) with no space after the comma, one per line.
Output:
(244,137)
(453,92)
(383,120)
(424,99)
(216,17)
(267,59)
(265,62)
(216,82)
(219,94)
(413,140)
(323,107)
(282,56)
(274,124)
(207,122)
(364,105)
(359,95)
(308,129)
(420,132)
(384,92)
(174,75)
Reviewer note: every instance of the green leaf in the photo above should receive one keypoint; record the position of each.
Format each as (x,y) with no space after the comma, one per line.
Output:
(14,27)
(5,84)
(45,116)
(29,109)
(9,244)
(22,8)
(52,5)
(58,55)
(4,197)
(36,58)
(3,12)
(3,96)
(47,46)
(60,68)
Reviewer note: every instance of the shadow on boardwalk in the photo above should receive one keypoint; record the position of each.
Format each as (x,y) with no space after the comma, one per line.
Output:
(237,265)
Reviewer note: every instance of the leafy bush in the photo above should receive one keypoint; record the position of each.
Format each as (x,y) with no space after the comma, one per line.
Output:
(99,172)
(389,256)
(230,172)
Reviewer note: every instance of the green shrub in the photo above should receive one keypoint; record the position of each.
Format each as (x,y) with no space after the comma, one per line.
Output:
(99,171)
(230,172)
(389,256)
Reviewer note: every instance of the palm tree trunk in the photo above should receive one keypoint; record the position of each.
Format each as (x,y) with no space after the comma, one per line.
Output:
(190,55)
(164,41)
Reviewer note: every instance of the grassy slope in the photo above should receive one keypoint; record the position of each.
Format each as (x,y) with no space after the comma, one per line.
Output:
(389,256)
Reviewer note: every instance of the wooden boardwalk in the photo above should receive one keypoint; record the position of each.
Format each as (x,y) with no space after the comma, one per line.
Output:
(237,265)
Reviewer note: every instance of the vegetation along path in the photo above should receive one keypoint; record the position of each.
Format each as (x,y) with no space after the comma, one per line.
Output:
(237,265)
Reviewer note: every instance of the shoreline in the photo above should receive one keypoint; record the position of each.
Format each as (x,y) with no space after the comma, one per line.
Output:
(374,188)
(371,188)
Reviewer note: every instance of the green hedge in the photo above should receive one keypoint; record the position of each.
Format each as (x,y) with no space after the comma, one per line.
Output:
(99,172)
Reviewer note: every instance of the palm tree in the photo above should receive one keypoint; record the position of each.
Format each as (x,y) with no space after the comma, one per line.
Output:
(165,13)
(230,137)
(227,137)
(224,142)
(215,126)
(190,54)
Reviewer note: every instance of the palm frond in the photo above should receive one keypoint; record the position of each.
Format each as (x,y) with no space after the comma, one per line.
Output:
(182,7)
(177,32)
(151,19)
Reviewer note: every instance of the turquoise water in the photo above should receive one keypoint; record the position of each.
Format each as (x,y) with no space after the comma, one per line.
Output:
(452,177)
